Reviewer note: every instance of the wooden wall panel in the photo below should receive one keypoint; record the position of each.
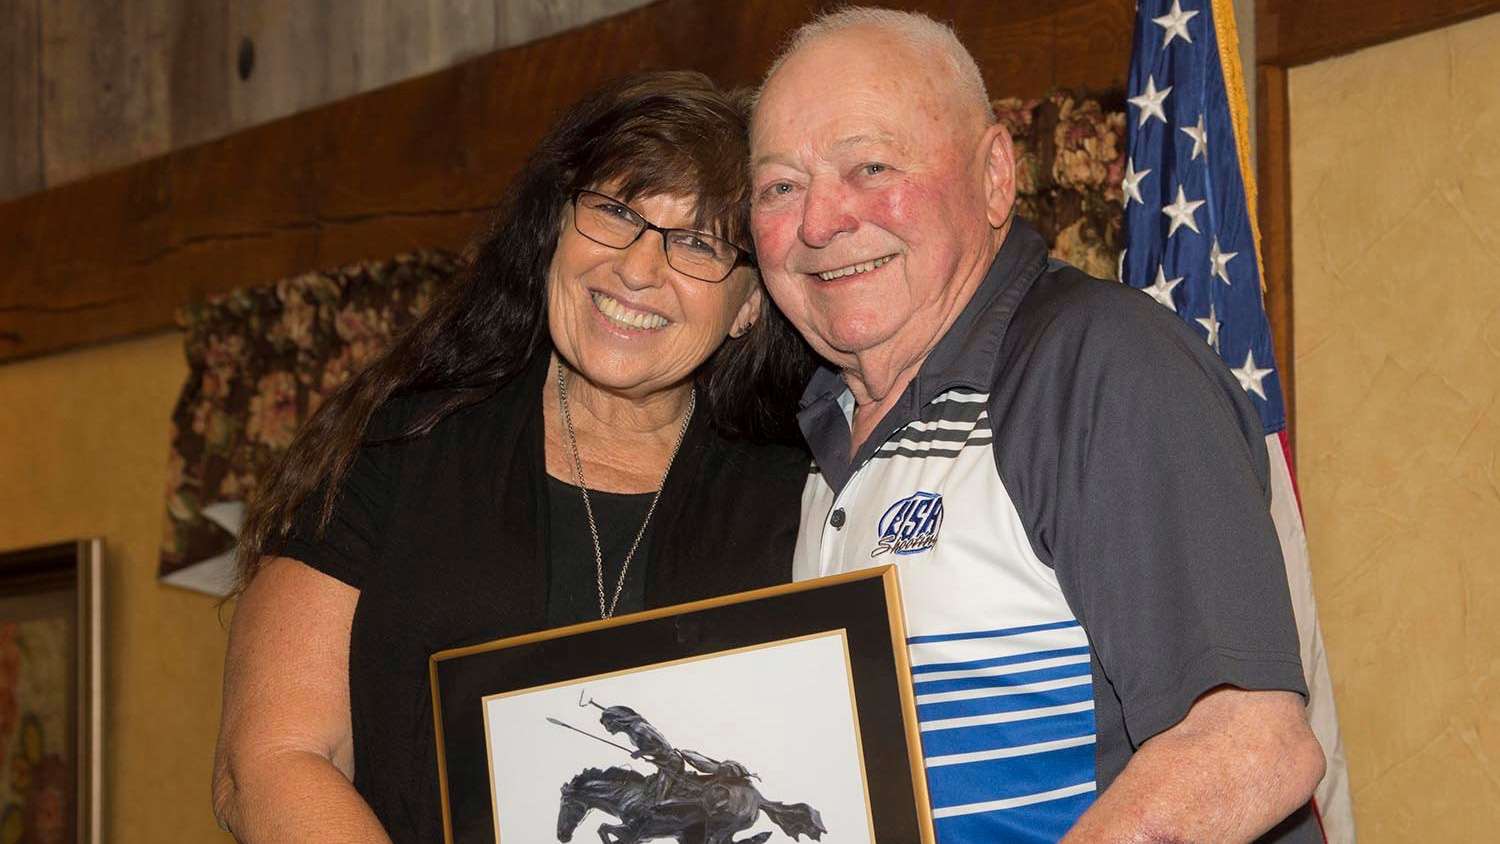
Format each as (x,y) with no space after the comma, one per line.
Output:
(419,163)
(310,54)
(114,82)
(1023,48)
(402,39)
(304,55)
(20,108)
(104,100)
(1293,32)
(200,70)
(1090,49)
(520,21)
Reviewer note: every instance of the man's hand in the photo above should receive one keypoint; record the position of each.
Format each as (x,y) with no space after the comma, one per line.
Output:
(1232,769)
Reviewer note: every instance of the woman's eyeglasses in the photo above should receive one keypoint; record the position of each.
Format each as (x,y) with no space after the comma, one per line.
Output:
(610,222)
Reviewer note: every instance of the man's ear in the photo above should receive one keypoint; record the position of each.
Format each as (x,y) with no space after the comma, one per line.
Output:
(748,313)
(999,175)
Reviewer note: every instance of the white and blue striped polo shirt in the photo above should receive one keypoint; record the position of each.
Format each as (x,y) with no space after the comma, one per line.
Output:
(1063,561)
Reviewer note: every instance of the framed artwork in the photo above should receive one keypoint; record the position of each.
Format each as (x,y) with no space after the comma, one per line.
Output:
(782,714)
(50,687)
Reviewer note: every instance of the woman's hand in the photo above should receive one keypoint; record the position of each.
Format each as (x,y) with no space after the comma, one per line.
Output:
(284,765)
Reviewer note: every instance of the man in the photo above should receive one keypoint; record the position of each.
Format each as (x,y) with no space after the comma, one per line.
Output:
(1073,485)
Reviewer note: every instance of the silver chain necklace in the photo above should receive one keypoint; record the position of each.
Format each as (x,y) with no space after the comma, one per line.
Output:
(562,400)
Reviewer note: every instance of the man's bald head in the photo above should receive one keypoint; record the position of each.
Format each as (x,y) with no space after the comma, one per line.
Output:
(923,40)
(882,187)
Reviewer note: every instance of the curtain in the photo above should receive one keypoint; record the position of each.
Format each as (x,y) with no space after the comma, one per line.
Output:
(259,362)
(1070,160)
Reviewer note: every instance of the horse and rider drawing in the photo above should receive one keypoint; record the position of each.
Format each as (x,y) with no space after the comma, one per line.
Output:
(690,798)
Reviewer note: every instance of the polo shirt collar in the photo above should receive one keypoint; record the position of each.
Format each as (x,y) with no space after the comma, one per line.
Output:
(966,357)
(970,350)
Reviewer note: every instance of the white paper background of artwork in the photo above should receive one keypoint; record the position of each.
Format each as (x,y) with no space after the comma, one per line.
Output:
(784,711)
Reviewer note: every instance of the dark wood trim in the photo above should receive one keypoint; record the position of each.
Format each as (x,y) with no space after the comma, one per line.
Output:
(1293,32)
(418,164)
(1274,212)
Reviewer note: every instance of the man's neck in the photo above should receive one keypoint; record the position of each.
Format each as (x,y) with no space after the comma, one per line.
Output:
(878,376)
(876,386)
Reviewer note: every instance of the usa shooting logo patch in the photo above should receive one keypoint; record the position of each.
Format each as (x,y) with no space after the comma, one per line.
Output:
(910,526)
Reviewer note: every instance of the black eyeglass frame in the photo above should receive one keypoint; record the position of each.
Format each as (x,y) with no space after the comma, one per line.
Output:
(743,256)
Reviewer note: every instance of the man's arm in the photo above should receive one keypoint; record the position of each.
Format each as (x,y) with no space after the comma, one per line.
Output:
(1233,768)
(1154,514)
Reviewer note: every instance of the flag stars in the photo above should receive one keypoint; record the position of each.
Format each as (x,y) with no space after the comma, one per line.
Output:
(1250,376)
(1131,187)
(1181,212)
(1219,262)
(1199,136)
(1150,102)
(1175,24)
(1211,322)
(1161,289)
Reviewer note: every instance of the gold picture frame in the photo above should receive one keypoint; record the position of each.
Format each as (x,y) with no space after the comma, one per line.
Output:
(51,688)
(801,691)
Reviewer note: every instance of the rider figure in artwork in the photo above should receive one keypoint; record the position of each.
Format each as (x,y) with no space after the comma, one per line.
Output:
(716,798)
(671,780)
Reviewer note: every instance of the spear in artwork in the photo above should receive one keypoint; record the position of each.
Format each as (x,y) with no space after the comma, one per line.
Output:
(698,760)
(589,734)
(703,762)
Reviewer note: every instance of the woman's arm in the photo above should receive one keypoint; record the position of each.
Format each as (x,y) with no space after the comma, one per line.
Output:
(284,765)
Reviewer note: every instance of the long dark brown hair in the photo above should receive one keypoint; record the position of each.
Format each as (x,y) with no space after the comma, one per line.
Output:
(657,133)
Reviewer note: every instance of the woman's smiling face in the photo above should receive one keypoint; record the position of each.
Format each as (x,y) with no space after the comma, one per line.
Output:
(626,320)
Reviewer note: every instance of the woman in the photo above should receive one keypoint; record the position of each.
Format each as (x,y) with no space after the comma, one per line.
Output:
(570,433)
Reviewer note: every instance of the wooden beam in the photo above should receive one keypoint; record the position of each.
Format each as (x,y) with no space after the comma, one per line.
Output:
(1293,32)
(420,163)
(1274,181)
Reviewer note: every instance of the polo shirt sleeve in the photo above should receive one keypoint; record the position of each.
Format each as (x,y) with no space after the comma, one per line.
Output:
(349,545)
(1154,513)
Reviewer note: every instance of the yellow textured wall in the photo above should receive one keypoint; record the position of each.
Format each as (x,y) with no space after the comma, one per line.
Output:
(83,444)
(1396,242)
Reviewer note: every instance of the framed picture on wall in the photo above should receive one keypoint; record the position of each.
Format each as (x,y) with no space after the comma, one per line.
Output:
(50,688)
(783,714)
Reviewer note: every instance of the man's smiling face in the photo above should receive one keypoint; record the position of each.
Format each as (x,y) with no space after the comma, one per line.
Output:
(870,195)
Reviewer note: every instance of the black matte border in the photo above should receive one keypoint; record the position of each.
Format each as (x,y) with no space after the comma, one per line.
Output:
(859,607)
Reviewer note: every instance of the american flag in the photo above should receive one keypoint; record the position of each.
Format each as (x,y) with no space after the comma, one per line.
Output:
(1191,244)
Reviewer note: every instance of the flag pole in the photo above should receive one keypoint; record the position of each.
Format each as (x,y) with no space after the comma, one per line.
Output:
(1239,116)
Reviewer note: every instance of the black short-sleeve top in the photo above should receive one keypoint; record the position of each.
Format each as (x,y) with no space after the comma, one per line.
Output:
(446,537)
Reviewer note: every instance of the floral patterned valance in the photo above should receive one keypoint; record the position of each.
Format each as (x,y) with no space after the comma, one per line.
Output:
(1070,160)
(260,360)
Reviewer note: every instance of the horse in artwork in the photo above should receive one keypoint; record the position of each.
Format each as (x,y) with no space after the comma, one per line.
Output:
(697,809)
